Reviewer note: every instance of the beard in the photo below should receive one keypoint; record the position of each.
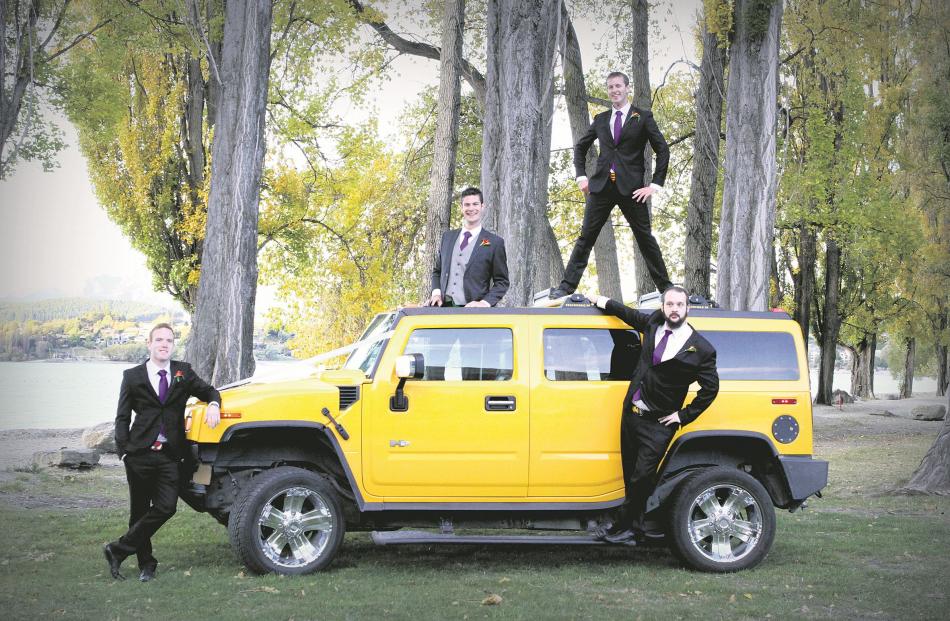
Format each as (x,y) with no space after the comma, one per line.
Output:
(675,324)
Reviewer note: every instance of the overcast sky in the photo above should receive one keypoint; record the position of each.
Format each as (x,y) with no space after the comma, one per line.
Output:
(58,241)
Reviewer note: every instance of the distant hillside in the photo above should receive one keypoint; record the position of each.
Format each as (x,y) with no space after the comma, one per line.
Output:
(73,308)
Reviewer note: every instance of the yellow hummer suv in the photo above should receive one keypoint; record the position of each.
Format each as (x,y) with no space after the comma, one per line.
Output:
(505,418)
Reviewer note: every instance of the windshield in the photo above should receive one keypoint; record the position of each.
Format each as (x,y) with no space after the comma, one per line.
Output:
(364,357)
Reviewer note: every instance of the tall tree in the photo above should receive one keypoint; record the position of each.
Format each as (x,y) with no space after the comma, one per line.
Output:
(442,175)
(221,344)
(699,214)
(522,42)
(748,202)
(575,96)
(642,98)
(33,35)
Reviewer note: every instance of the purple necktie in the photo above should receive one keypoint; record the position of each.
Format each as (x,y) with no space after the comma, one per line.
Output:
(661,347)
(465,237)
(657,357)
(162,385)
(618,125)
(162,395)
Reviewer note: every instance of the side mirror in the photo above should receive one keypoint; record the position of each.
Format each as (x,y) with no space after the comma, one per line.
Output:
(410,366)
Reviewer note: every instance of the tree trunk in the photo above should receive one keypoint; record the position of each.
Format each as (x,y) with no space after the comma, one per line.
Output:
(862,367)
(221,344)
(642,98)
(804,278)
(910,360)
(519,102)
(749,184)
(575,95)
(830,323)
(943,362)
(442,175)
(702,190)
(933,474)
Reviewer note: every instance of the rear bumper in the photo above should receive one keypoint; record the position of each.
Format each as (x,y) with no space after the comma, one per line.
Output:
(805,476)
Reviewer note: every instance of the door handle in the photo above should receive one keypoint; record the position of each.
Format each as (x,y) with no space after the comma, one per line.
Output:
(504,403)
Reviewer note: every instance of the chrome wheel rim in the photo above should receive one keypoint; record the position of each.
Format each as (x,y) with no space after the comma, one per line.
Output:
(294,527)
(725,523)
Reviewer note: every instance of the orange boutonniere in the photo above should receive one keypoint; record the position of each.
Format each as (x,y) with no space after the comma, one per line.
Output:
(179,376)
(636,116)
(485,242)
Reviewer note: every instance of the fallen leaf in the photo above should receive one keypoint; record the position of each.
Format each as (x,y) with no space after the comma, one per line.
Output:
(747,595)
(732,598)
(492,600)
(504,579)
(188,573)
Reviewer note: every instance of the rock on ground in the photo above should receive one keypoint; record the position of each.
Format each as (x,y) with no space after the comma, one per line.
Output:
(928,412)
(67,458)
(100,437)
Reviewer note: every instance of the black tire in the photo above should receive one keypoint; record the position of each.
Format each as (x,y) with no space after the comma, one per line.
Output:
(221,518)
(722,520)
(286,521)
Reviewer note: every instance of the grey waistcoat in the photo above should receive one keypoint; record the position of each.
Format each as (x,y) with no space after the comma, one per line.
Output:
(460,258)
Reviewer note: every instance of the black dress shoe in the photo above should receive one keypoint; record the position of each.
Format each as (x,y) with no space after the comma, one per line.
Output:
(147,573)
(626,537)
(114,560)
(559,293)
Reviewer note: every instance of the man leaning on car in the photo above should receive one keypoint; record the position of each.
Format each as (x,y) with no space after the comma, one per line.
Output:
(674,355)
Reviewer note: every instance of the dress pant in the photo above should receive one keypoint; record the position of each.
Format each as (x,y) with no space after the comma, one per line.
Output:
(153,493)
(643,442)
(596,214)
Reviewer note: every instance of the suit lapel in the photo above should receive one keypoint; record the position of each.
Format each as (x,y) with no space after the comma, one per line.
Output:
(689,343)
(478,249)
(173,368)
(448,243)
(147,382)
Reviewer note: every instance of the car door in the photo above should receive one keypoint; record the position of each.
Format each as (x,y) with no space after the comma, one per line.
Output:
(464,432)
(577,390)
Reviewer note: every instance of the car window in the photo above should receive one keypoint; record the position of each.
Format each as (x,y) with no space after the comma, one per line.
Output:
(370,344)
(468,354)
(754,355)
(580,355)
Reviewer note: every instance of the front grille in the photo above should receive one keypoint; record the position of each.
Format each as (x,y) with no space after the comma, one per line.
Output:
(348,396)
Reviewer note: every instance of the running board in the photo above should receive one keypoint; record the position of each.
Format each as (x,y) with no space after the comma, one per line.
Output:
(418,536)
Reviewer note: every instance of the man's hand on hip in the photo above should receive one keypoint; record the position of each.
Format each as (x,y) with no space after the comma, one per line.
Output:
(213,415)
(643,194)
(672,419)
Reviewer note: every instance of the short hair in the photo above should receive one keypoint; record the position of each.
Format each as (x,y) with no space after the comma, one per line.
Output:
(160,326)
(618,74)
(470,191)
(674,288)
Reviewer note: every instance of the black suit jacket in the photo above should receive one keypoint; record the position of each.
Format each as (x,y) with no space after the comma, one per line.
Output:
(137,394)
(627,155)
(663,387)
(486,276)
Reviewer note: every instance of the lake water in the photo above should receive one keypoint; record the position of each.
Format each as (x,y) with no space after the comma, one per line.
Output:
(59,395)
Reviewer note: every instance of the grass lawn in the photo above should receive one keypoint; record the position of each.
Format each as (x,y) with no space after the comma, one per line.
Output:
(859,553)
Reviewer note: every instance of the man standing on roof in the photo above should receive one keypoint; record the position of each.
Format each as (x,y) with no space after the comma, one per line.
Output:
(623,133)
(471,268)
(674,355)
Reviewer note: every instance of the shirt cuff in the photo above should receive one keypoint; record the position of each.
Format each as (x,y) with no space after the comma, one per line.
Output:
(656,188)
(581,178)
(210,403)
(437,292)
(601,301)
